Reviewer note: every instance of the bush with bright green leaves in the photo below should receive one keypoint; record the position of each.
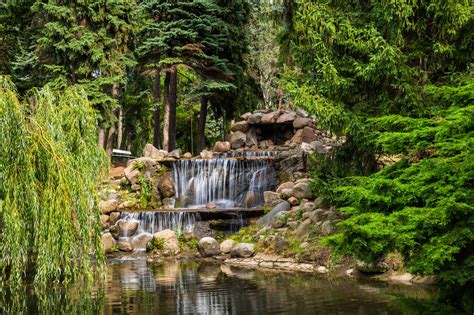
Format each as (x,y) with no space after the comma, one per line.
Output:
(421,206)
(49,170)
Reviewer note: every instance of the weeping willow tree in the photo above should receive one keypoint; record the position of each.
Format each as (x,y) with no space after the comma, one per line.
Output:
(49,170)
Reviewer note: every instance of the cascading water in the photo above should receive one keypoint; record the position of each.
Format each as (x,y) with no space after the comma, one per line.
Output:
(231,180)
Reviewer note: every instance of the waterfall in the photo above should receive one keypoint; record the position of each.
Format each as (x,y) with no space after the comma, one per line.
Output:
(231,180)
(152,222)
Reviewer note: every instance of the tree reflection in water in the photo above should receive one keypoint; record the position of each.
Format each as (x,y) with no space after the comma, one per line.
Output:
(137,287)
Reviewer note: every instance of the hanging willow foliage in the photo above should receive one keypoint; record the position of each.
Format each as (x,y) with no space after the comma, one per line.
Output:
(50,166)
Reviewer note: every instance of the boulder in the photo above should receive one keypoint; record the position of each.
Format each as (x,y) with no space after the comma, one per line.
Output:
(302,190)
(250,199)
(267,219)
(286,118)
(280,219)
(265,144)
(141,240)
(222,146)
(251,138)
(245,116)
(286,193)
(127,228)
(271,198)
(285,185)
(175,154)
(226,246)
(114,231)
(304,135)
(151,152)
(104,220)
(208,247)
(131,174)
(108,206)
(301,122)
(255,118)
(114,217)
(242,250)
(171,243)
(108,242)
(237,140)
(301,112)
(166,186)
(293,201)
(307,206)
(269,118)
(316,215)
(187,155)
(281,244)
(124,246)
(303,229)
(240,126)
(168,203)
(327,227)
(206,155)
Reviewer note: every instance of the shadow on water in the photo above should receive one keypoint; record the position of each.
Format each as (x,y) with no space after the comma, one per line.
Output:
(136,287)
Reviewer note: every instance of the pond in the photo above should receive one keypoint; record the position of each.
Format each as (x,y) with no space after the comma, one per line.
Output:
(137,287)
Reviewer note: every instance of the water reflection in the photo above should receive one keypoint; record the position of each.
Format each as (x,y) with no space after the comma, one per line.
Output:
(136,287)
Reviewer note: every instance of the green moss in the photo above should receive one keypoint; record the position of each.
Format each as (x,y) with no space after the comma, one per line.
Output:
(155,243)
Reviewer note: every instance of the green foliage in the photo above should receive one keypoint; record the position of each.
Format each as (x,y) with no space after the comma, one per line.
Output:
(423,205)
(49,169)
(155,243)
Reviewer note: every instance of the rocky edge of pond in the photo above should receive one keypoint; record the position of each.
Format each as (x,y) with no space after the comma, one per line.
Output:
(285,238)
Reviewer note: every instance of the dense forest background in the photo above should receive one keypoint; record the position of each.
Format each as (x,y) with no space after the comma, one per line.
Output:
(395,78)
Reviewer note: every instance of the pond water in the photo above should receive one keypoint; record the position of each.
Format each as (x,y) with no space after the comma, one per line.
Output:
(137,287)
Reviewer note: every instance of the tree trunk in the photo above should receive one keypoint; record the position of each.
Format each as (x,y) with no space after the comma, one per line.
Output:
(102,138)
(173,103)
(156,115)
(120,129)
(111,135)
(166,116)
(201,138)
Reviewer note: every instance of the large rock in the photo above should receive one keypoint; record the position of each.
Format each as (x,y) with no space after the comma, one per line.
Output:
(271,198)
(267,219)
(304,135)
(242,250)
(372,267)
(237,139)
(226,246)
(250,199)
(206,155)
(301,122)
(316,216)
(286,118)
(151,152)
(114,231)
(124,246)
(327,227)
(114,217)
(303,229)
(240,126)
(175,154)
(251,138)
(108,242)
(222,146)
(302,191)
(108,206)
(105,221)
(208,247)
(285,185)
(255,118)
(269,118)
(166,186)
(141,240)
(171,243)
(127,228)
